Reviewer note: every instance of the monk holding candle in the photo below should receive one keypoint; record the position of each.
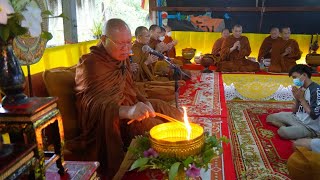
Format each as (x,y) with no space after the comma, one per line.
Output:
(233,53)
(285,53)
(266,46)
(107,99)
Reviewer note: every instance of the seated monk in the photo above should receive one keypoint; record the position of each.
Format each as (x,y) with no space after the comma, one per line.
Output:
(218,44)
(266,46)
(145,60)
(155,42)
(233,53)
(284,53)
(107,99)
(171,52)
(145,78)
(304,163)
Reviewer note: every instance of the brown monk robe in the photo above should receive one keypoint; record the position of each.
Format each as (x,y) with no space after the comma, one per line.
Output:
(107,99)
(218,44)
(146,80)
(285,53)
(233,53)
(304,163)
(266,46)
(171,52)
(155,33)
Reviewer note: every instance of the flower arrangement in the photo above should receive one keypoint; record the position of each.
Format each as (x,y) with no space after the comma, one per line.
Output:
(148,158)
(21,17)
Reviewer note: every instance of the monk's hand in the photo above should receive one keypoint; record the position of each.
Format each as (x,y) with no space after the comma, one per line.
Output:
(151,114)
(140,111)
(134,67)
(287,51)
(151,59)
(174,42)
(161,47)
(303,143)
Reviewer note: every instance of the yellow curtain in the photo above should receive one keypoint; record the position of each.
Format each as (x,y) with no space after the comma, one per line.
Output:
(65,56)
(203,42)
(68,55)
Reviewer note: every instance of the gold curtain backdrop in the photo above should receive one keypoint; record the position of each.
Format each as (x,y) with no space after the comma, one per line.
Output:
(203,42)
(68,55)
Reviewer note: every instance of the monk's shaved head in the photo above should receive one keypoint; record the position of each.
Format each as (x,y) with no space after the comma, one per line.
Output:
(140,30)
(154,27)
(285,33)
(285,29)
(225,33)
(116,39)
(237,31)
(274,33)
(237,26)
(115,25)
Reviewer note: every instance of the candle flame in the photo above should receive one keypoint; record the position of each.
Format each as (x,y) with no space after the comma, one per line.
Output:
(186,122)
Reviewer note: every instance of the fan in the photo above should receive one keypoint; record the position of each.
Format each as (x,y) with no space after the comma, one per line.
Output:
(29,50)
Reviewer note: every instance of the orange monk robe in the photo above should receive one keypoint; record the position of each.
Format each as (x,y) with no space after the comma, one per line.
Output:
(217,47)
(284,64)
(304,164)
(216,50)
(265,48)
(145,72)
(153,43)
(171,53)
(236,60)
(103,84)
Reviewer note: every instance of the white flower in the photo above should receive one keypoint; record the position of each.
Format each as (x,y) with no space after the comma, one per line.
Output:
(32,20)
(5,9)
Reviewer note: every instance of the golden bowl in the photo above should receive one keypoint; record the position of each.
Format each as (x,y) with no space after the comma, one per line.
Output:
(188,53)
(170,139)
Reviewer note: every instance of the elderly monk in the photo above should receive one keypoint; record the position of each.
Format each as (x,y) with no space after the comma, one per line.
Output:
(233,53)
(304,163)
(218,44)
(171,52)
(266,46)
(107,99)
(284,53)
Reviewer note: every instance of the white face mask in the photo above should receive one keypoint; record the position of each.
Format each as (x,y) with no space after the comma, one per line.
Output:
(169,34)
(161,38)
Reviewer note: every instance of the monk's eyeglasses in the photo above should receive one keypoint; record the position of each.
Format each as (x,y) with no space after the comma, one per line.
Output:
(121,45)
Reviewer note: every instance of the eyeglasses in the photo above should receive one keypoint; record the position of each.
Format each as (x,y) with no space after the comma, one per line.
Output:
(121,46)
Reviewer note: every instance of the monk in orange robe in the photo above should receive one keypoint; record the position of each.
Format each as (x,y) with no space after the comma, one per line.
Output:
(266,46)
(218,43)
(147,81)
(217,46)
(107,99)
(285,53)
(168,40)
(233,53)
(155,42)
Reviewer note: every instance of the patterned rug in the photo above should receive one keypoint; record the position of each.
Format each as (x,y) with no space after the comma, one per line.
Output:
(203,95)
(258,151)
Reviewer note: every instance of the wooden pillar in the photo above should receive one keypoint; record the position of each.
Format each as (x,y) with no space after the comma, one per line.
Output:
(70,24)
(152,13)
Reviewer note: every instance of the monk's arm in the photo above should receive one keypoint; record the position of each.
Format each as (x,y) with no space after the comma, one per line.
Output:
(263,50)
(296,52)
(225,50)
(245,49)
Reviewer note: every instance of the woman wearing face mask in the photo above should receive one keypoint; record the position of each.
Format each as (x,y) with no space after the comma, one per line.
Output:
(304,121)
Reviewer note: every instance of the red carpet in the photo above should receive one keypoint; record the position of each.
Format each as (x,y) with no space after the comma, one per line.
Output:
(256,143)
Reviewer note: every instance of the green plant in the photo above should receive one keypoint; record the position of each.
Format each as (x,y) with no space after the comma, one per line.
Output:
(148,158)
(21,17)
(97,29)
